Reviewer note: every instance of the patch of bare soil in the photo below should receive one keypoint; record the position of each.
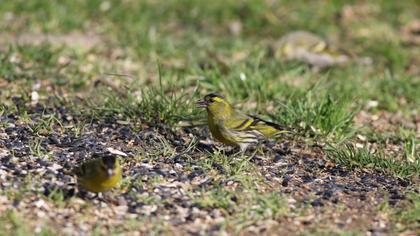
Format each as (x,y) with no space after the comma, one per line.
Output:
(411,32)
(78,40)
(387,121)
(161,190)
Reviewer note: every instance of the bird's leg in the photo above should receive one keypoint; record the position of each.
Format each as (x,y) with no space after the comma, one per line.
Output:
(254,153)
(259,149)
(107,197)
(87,195)
(243,147)
(233,151)
(243,151)
(210,148)
(81,194)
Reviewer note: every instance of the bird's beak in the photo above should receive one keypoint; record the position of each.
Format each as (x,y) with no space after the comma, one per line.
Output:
(110,172)
(201,103)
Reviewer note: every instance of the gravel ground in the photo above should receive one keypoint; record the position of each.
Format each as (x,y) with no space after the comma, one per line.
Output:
(166,179)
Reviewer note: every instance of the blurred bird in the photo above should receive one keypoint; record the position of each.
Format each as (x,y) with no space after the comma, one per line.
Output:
(234,128)
(100,174)
(309,48)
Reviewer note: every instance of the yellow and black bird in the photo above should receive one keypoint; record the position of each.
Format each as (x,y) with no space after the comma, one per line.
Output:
(234,128)
(309,48)
(100,174)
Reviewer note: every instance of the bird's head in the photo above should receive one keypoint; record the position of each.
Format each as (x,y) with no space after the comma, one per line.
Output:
(215,104)
(109,164)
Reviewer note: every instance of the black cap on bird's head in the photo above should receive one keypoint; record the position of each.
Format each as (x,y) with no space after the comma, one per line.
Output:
(109,161)
(209,99)
(109,164)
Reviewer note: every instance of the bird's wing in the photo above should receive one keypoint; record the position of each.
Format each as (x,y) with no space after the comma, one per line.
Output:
(260,121)
(86,169)
(318,47)
(239,127)
(267,128)
(238,121)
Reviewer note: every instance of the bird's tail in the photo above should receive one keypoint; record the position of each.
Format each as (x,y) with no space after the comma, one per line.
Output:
(271,129)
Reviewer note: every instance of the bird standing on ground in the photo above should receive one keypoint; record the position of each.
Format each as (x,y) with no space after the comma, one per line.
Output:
(233,128)
(309,48)
(100,174)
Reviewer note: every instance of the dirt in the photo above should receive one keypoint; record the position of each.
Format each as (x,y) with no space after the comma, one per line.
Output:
(319,193)
(78,40)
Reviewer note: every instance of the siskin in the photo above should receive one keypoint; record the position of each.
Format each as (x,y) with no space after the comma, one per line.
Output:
(100,174)
(309,48)
(234,128)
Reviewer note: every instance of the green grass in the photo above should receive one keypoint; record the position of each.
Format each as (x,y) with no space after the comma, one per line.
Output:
(406,217)
(409,215)
(154,106)
(323,116)
(331,232)
(351,156)
(13,223)
(391,90)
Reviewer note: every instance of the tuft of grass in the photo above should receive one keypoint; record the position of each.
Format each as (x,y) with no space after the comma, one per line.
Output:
(412,150)
(406,217)
(270,205)
(252,205)
(329,232)
(12,223)
(354,157)
(393,91)
(409,216)
(232,167)
(217,198)
(27,64)
(36,148)
(155,106)
(256,206)
(46,124)
(322,116)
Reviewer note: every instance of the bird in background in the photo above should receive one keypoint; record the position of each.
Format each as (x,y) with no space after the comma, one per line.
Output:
(311,49)
(234,128)
(100,174)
